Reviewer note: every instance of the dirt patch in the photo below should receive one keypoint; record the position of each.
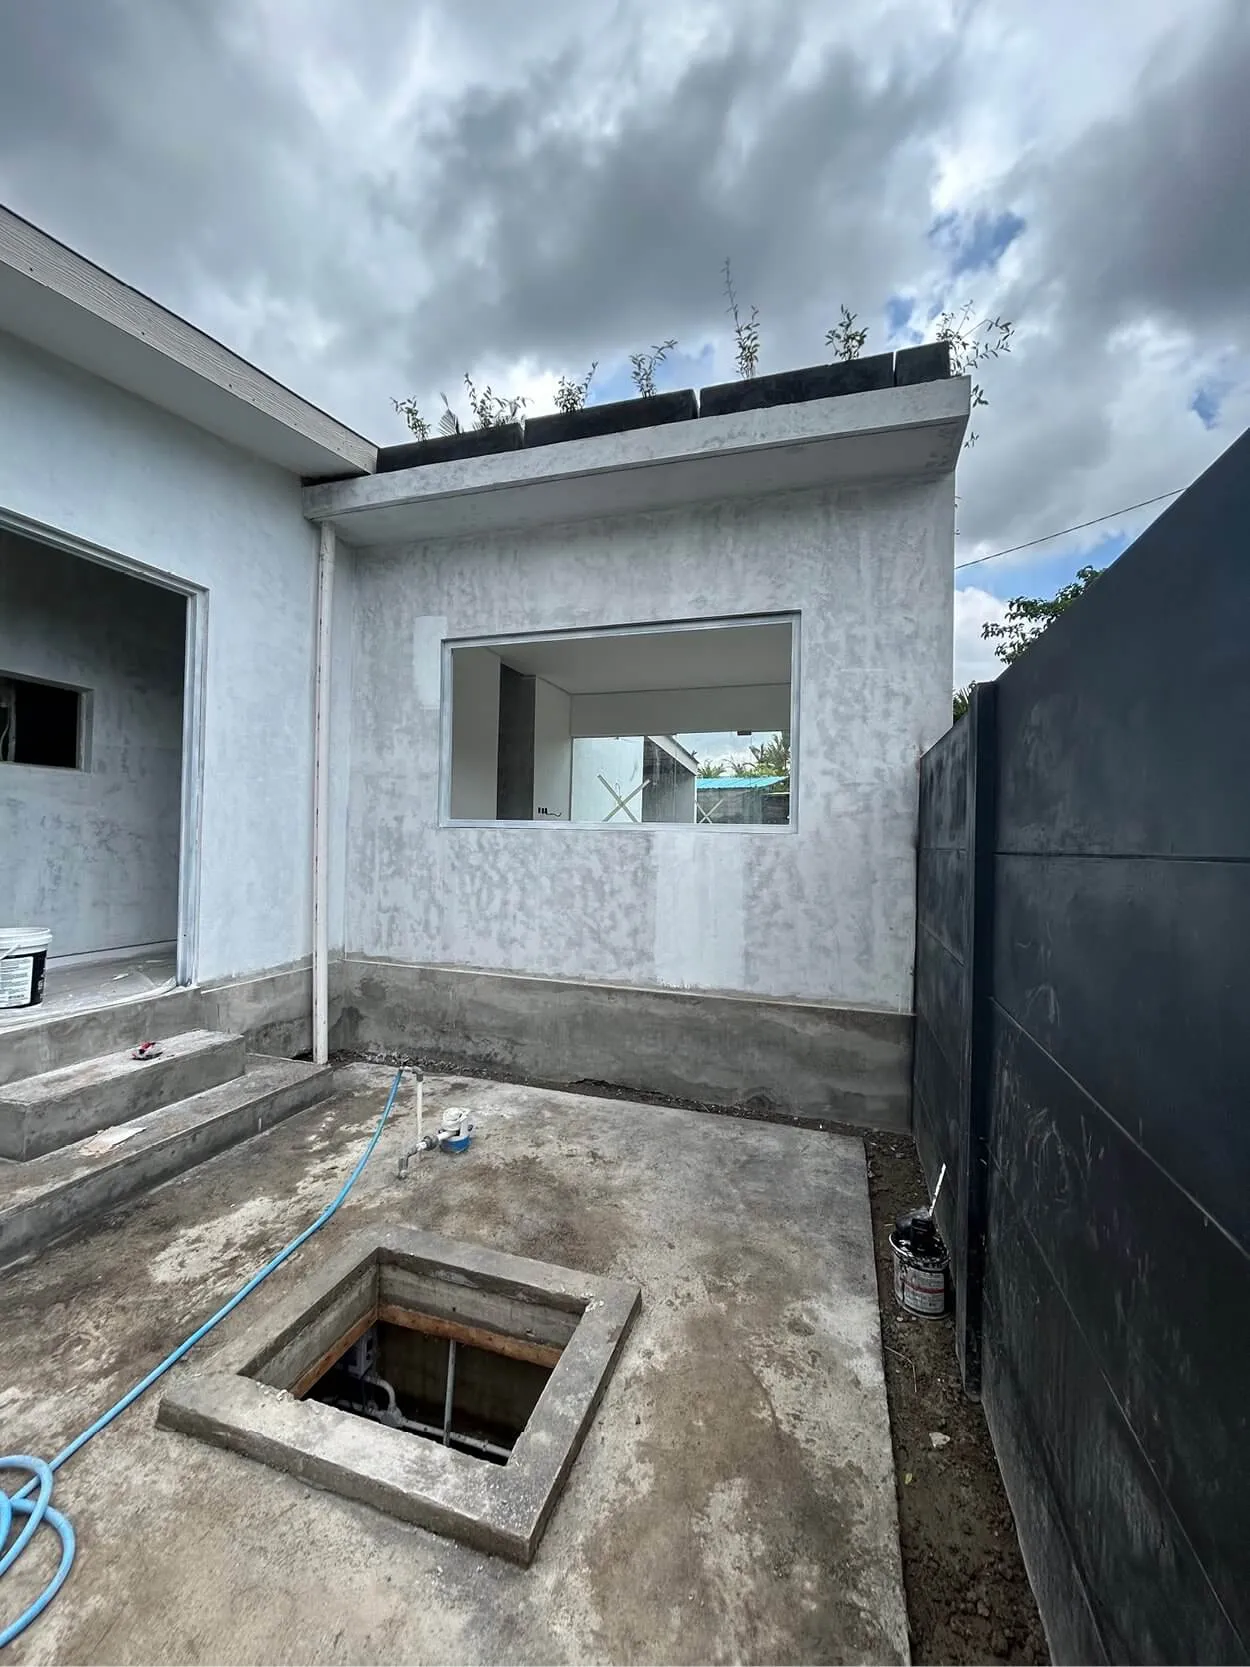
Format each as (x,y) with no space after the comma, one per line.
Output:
(968,1597)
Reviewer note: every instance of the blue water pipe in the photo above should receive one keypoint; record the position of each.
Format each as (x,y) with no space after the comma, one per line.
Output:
(39,1510)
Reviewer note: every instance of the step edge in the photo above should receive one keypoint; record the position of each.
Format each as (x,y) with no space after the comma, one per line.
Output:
(151,1121)
(99,1175)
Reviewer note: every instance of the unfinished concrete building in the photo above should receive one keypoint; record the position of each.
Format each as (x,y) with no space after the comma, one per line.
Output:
(315,749)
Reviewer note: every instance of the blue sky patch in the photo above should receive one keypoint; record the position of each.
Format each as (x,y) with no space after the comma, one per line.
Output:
(1041,572)
(898,315)
(679,370)
(976,244)
(1208,398)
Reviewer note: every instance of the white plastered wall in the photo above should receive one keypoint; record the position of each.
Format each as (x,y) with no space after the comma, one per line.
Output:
(823,910)
(83,459)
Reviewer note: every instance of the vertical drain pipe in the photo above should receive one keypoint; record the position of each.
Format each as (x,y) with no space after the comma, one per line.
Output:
(321,801)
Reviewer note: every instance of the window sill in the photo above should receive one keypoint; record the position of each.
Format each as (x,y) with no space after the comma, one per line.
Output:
(767,828)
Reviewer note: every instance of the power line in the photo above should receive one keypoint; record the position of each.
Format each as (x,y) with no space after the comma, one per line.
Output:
(1080,527)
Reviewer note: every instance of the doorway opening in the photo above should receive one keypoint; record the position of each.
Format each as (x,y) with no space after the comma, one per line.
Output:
(94,770)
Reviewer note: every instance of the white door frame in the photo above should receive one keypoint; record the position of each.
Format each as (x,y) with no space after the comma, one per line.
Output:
(194,706)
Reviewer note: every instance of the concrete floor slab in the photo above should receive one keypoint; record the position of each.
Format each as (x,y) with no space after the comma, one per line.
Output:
(87,982)
(733,1499)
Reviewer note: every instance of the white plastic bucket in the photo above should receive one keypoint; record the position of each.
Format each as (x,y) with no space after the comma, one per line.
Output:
(23,962)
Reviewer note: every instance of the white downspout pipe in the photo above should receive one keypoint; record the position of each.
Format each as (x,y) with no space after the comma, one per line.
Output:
(321,802)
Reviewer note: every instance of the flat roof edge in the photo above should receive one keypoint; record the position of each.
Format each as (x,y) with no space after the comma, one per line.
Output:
(873,416)
(54,272)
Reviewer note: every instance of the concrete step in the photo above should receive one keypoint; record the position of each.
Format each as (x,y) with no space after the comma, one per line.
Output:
(42,1113)
(42,1200)
(37,1041)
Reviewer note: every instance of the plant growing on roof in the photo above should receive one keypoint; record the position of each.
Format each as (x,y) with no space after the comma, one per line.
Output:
(846,338)
(449,422)
(490,409)
(410,412)
(746,331)
(643,366)
(971,344)
(571,396)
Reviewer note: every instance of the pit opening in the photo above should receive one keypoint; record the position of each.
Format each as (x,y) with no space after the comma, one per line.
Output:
(465,1387)
(358,1349)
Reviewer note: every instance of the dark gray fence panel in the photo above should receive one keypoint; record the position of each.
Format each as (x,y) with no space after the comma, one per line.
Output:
(949,1076)
(1113,957)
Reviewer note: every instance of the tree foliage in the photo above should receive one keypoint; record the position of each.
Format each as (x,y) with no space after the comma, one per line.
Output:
(962,701)
(770,758)
(1028,616)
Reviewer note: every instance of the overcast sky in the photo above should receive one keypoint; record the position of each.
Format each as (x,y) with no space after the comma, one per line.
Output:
(369,199)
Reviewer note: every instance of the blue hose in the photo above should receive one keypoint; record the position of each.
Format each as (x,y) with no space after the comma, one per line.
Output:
(38,1511)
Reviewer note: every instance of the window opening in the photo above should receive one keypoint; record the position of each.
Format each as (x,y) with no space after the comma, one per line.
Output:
(40,723)
(682,725)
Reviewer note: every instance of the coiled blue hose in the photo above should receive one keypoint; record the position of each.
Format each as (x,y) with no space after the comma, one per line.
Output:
(38,1511)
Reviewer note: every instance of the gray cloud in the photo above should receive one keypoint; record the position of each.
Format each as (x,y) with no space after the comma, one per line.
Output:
(549,240)
(1137,262)
(1151,210)
(371,208)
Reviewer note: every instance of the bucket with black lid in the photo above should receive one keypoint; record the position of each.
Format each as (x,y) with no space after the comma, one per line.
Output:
(23,964)
(921,1263)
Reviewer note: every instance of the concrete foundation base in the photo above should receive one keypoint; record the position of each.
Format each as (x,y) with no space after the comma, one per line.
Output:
(273,1009)
(809,1061)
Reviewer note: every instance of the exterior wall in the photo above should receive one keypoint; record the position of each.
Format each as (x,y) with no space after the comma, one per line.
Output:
(823,911)
(93,853)
(80,457)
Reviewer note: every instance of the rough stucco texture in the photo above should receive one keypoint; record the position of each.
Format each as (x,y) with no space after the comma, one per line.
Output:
(84,458)
(824,912)
(93,853)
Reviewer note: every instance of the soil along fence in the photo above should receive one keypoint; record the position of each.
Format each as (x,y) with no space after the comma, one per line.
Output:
(1081,1065)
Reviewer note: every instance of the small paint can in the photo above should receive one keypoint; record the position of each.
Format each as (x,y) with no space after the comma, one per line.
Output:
(921,1263)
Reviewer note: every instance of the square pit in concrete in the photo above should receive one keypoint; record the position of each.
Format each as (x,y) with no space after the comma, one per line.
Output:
(570,1324)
